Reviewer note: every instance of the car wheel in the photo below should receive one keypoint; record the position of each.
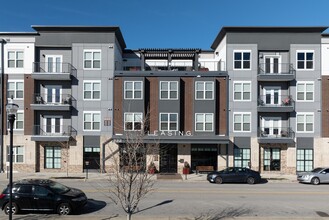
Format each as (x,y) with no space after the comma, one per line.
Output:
(219,180)
(315,181)
(251,180)
(14,208)
(64,209)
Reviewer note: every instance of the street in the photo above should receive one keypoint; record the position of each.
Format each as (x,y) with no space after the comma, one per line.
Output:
(202,200)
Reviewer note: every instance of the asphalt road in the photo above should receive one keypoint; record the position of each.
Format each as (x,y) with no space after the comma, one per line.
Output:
(202,200)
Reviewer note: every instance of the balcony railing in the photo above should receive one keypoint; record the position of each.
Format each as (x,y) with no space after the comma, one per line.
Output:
(135,65)
(54,99)
(276,101)
(276,134)
(48,68)
(276,71)
(54,131)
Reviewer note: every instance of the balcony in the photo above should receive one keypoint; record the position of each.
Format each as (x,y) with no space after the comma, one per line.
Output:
(53,71)
(276,72)
(135,65)
(53,102)
(275,135)
(273,103)
(53,133)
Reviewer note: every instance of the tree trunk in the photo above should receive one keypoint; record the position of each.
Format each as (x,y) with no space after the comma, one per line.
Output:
(128,216)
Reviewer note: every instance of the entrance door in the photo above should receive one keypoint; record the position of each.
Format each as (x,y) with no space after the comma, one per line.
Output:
(52,124)
(272,95)
(168,158)
(53,94)
(54,63)
(272,64)
(91,155)
(272,126)
(204,155)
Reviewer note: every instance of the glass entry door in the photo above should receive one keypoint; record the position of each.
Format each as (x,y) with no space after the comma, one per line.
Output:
(52,125)
(272,95)
(168,158)
(54,63)
(272,126)
(53,94)
(272,64)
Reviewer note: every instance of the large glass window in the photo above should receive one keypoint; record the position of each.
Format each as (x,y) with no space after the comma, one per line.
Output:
(168,121)
(305,60)
(169,90)
(204,122)
(242,157)
(242,91)
(242,60)
(133,121)
(18,154)
(204,90)
(133,89)
(272,159)
(91,90)
(52,157)
(92,59)
(15,59)
(241,121)
(91,121)
(305,91)
(305,122)
(304,160)
(15,89)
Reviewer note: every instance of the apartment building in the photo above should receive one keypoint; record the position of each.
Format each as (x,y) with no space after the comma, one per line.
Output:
(258,98)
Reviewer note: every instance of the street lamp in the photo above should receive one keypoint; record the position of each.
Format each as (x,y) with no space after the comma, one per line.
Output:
(11,109)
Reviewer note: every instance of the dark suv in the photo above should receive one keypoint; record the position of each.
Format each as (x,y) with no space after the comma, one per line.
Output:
(42,195)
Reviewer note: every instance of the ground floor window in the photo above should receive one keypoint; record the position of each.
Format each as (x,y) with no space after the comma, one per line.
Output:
(304,160)
(52,157)
(272,160)
(204,155)
(242,157)
(133,157)
(18,154)
(91,157)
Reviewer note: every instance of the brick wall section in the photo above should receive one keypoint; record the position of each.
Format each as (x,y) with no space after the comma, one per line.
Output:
(189,100)
(325,106)
(28,99)
(222,99)
(117,111)
(154,99)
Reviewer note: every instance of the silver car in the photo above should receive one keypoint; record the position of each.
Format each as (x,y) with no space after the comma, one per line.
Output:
(316,176)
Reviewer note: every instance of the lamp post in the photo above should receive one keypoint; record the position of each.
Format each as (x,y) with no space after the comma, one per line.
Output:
(11,109)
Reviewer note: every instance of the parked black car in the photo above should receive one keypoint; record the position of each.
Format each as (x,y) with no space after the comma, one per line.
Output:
(234,175)
(42,195)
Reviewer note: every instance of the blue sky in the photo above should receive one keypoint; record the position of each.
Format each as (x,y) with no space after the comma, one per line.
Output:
(163,23)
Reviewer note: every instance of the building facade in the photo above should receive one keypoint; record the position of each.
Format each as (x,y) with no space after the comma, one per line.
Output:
(258,98)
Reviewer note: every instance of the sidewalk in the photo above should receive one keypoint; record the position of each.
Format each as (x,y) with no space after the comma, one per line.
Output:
(270,177)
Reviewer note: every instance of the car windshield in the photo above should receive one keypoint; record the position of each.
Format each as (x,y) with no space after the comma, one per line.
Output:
(316,170)
(58,188)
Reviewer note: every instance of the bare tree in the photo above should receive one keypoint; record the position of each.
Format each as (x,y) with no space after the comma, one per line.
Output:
(130,179)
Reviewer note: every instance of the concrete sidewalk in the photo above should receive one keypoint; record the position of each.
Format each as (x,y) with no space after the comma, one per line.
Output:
(270,177)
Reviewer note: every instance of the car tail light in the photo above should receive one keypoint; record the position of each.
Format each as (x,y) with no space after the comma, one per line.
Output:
(2,195)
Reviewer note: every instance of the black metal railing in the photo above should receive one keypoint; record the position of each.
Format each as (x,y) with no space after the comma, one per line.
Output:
(276,101)
(54,99)
(48,67)
(276,132)
(53,130)
(276,68)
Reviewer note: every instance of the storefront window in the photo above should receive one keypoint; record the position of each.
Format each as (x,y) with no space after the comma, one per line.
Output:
(304,160)
(272,160)
(242,157)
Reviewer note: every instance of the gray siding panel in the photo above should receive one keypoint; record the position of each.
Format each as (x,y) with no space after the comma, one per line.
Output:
(305,142)
(242,142)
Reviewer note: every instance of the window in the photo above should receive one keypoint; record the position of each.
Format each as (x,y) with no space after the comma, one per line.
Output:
(40,191)
(91,121)
(92,59)
(242,91)
(305,122)
(272,159)
(19,122)
(242,121)
(305,91)
(133,89)
(204,90)
(168,121)
(305,60)
(168,90)
(304,160)
(242,157)
(242,60)
(18,154)
(15,59)
(91,90)
(204,122)
(25,189)
(133,121)
(15,89)
(52,157)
